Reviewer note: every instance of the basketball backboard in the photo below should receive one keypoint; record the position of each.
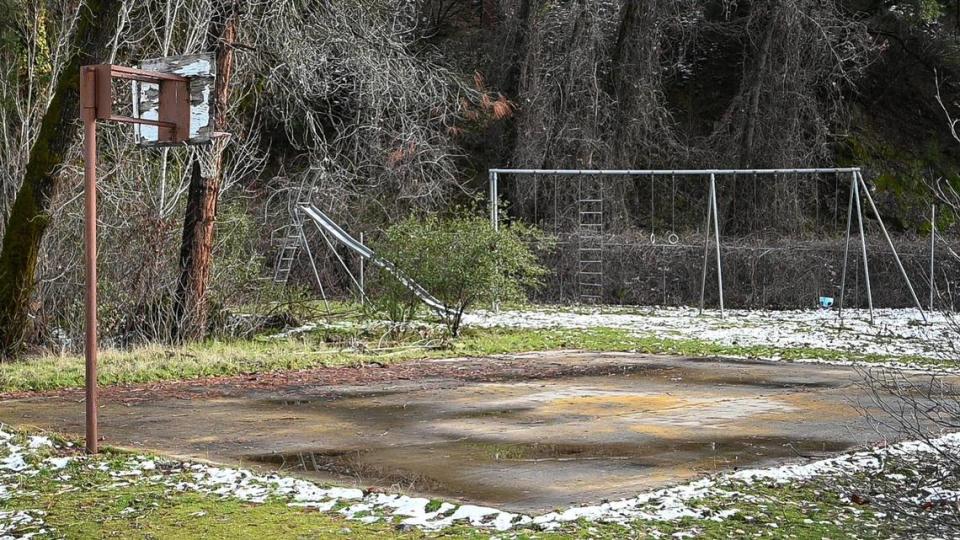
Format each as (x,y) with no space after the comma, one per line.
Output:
(200,71)
(171,104)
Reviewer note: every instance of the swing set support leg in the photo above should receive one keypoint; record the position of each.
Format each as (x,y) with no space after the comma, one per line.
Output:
(863,245)
(846,254)
(896,256)
(495,222)
(706,249)
(933,253)
(716,230)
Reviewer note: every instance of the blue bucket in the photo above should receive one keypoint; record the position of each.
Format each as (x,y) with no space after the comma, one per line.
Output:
(826,302)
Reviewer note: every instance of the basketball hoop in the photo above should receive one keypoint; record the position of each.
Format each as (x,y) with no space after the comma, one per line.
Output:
(171,104)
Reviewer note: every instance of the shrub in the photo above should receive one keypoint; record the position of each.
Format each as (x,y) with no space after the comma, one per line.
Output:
(460,260)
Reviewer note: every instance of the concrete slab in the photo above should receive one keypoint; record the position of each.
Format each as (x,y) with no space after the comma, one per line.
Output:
(632,423)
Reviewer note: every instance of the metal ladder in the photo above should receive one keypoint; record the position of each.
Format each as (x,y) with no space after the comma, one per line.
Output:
(292,240)
(590,240)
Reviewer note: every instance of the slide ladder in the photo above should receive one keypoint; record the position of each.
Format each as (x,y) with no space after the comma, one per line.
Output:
(288,253)
(290,246)
(329,226)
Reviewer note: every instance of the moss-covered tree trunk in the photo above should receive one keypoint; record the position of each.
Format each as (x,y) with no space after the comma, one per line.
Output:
(196,247)
(30,214)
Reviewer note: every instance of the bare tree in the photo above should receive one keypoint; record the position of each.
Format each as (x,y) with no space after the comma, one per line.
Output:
(943,189)
(918,494)
(799,58)
(372,125)
(603,84)
(206,181)
(35,38)
(30,213)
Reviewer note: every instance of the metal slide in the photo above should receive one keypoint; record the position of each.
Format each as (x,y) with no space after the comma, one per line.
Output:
(328,225)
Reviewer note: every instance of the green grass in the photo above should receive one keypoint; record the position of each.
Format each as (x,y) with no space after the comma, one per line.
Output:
(91,504)
(352,347)
(97,514)
(156,513)
(799,510)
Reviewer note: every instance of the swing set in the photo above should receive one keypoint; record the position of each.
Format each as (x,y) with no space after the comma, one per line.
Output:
(592,220)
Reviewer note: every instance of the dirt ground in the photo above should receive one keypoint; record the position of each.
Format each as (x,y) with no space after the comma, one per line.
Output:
(530,432)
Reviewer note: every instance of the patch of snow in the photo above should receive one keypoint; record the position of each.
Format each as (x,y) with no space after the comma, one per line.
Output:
(14,460)
(11,524)
(354,509)
(344,493)
(57,463)
(39,441)
(895,332)
(309,327)
(408,506)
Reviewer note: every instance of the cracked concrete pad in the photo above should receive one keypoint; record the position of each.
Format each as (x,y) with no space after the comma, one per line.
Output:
(522,443)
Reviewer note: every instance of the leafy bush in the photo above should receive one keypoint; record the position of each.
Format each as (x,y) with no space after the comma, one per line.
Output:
(460,260)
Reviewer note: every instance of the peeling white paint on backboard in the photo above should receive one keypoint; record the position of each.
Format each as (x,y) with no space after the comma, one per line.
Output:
(201,70)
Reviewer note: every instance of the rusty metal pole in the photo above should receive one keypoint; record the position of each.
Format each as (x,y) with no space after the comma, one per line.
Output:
(89,113)
(173,125)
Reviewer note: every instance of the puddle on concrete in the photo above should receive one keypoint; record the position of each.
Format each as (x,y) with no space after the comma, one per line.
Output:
(352,466)
(644,453)
(448,469)
(724,377)
(745,450)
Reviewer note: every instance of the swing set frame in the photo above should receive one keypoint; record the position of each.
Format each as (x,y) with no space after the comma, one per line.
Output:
(712,221)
